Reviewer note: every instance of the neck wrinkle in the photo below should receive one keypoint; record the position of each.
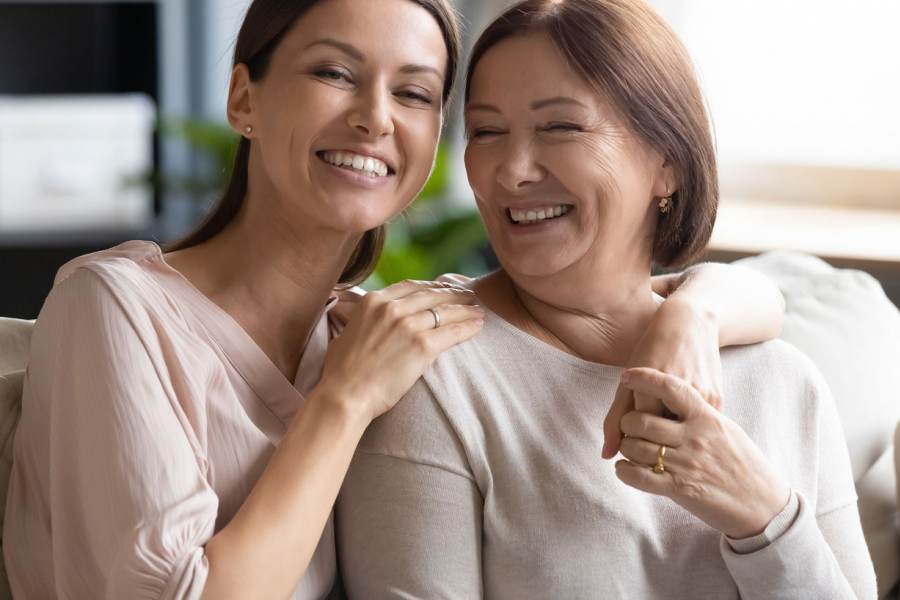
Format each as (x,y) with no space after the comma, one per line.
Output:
(604,335)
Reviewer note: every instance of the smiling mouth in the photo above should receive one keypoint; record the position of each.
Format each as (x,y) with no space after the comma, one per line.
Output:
(541,214)
(356,163)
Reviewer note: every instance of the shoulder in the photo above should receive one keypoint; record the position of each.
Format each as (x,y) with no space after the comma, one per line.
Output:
(771,362)
(105,296)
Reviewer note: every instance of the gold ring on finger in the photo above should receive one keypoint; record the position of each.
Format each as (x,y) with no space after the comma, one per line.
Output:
(660,466)
(437,317)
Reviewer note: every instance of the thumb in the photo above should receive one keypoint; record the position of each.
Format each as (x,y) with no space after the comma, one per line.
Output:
(612,435)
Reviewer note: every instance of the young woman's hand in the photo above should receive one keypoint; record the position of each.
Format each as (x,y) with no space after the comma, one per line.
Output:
(711,467)
(681,341)
(389,340)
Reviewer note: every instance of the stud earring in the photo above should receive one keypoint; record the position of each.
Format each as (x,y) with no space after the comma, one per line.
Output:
(248,129)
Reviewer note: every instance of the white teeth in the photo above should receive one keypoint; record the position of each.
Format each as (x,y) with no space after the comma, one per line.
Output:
(541,214)
(371,166)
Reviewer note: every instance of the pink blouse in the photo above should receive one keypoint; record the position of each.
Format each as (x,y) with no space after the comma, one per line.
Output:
(148,415)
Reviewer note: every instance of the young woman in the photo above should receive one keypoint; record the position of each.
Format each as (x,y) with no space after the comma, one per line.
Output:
(186,423)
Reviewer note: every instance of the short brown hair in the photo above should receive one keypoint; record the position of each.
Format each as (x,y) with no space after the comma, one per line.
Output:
(264,26)
(632,56)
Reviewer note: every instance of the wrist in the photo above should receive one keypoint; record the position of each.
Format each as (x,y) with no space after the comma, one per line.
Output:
(682,306)
(338,405)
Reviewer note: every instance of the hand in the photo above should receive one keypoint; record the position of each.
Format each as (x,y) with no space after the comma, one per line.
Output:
(682,341)
(712,468)
(390,339)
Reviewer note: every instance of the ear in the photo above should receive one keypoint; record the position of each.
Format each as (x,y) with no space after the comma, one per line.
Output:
(240,107)
(665,181)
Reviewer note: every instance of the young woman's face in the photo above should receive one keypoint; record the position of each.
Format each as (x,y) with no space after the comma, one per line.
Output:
(347,118)
(559,179)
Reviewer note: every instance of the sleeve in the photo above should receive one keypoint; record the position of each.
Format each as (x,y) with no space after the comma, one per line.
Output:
(130,507)
(813,550)
(409,514)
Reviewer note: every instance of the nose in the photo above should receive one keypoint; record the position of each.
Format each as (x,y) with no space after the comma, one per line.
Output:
(519,169)
(371,114)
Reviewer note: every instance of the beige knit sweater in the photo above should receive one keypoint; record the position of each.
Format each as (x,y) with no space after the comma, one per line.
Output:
(486,481)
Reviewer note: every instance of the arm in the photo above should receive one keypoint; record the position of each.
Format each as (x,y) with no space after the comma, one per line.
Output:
(409,516)
(773,548)
(746,305)
(708,306)
(133,512)
(821,557)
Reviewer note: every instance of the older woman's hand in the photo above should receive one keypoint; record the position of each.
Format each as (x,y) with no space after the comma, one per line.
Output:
(710,467)
(681,340)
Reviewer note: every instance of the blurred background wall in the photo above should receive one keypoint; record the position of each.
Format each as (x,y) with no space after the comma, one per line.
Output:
(112,128)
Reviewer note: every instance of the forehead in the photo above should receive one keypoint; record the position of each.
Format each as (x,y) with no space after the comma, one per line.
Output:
(396,30)
(524,68)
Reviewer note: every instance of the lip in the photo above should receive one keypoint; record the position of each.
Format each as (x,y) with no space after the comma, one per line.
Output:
(391,164)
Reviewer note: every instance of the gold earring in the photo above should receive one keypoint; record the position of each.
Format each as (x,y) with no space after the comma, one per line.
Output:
(665,204)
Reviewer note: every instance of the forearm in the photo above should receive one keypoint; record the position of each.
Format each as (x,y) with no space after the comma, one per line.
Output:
(746,305)
(264,550)
(810,560)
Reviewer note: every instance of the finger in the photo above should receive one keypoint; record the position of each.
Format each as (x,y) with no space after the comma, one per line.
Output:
(435,341)
(447,315)
(643,478)
(456,279)
(622,403)
(646,453)
(648,404)
(424,299)
(409,286)
(636,424)
(675,393)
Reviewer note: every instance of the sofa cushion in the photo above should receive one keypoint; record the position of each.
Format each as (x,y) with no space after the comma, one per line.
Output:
(15,336)
(10,411)
(843,321)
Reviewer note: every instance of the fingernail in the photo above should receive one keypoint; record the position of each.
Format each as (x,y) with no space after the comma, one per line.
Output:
(605,452)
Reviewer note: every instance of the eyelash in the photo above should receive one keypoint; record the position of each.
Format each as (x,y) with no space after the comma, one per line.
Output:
(337,75)
(562,127)
(327,74)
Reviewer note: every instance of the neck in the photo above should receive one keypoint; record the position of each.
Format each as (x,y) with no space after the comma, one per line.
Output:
(272,275)
(600,321)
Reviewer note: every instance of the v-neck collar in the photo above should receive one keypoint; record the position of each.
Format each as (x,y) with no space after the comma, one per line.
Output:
(279,397)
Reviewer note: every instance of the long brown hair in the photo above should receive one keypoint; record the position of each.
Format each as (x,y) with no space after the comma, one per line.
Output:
(632,57)
(264,26)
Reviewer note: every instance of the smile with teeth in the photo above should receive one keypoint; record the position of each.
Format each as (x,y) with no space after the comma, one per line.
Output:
(535,215)
(356,162)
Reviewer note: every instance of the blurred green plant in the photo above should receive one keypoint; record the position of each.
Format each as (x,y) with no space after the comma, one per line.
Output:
(436,234)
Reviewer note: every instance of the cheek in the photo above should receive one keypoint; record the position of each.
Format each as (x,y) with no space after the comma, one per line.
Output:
(419,145)
(478,168)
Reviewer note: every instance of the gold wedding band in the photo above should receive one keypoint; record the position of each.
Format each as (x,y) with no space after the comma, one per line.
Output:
(660,465)
(437,317)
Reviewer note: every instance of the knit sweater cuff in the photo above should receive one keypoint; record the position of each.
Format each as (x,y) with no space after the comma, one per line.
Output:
(776,528)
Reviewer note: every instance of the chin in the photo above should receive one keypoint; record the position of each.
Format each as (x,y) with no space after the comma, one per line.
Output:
(533,266)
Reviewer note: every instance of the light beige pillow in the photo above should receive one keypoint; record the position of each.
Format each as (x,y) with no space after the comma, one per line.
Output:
(843,321)
(10,411)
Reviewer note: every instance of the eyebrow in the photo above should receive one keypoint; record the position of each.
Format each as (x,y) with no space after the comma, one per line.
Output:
(357,54)
(348,49)
(536,105)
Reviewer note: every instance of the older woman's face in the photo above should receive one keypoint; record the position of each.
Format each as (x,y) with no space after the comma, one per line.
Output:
(559,179)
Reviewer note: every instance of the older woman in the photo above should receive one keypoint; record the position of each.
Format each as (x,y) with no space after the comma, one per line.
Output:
(590,157)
